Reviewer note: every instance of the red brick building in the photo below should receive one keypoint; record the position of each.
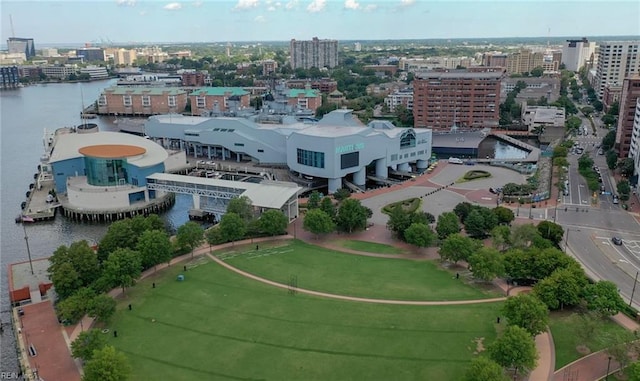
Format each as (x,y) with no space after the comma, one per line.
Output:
(219,99)
(194,79)
(628,100)
(141,101)
(304,99)
(324,85)
(466,99)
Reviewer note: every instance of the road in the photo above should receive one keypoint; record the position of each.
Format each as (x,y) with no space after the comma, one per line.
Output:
(590,225)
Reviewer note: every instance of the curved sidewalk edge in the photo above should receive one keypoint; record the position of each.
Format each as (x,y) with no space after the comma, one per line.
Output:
(353,298)
(547,360)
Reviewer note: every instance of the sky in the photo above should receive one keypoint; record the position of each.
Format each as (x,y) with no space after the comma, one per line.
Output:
(139,21)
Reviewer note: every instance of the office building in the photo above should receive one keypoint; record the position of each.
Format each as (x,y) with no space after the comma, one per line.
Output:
(461,98)
(49,52)
(91,54)
(95,72)
(634,148)
(400,97)
(524,61)
(141,101)
(627,115)
(617,60)
(576,53)
(21,45)
(9,77)
(315,53)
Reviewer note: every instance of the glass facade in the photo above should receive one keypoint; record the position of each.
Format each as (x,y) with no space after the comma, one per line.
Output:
(106,172)
(311,158)
(408,139)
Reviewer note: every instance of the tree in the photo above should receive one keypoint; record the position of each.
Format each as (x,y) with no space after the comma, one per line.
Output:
(273,222)
(523,236)
(232,227)
(624,189)
(119,235)
(609,140)
(419,235)
(327,206)
(398,222)
(318,222)
(585,327)
(633,371)
(562,288)
(551,231)
(75,306)
(86,343)
(241,206)
(500,237)
(484,369)
(504,215)
(191,235)
(462,210)
(604,298)
(612,159)
(486,263)
(448,224)
(154,247)
(620,346)
(458,248)
(514,349)
(214,236)
(101,307)
(313,202)
(107,365)
(352,215)
(123,267)
(627,167)
(341,194)
(572,123)
(528,312)
(65,280)
(474,224)
(537,71)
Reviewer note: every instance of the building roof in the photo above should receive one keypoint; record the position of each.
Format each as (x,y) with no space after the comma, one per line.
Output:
(306,93)
(220,91)
(151,90)
(267,194)
(469,139)
(69,146)
(458,74)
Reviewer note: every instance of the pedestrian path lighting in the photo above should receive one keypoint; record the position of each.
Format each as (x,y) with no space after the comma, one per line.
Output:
(608,367)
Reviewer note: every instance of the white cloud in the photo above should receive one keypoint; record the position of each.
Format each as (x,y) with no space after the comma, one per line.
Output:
(406,3)
(246,4)
(271,8)
(260,19)
(173,6)
(292,4)
(126,3)
(351,4)
(370,7)
(197,4)
(317,6)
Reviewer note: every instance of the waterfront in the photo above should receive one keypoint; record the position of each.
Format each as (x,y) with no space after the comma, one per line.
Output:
(24,114)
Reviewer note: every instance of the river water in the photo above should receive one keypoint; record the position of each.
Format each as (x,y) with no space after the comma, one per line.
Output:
(24,115)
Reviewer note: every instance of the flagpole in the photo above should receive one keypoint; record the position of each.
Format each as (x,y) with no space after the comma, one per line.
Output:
(26,240)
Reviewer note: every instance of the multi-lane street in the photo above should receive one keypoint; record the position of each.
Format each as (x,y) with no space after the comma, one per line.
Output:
(591,223)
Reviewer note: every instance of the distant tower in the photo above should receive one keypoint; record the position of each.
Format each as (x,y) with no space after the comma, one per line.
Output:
(228,49)
(357,46)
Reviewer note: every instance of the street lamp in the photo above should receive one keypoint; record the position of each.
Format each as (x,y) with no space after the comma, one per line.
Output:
(608,366)
(633,291)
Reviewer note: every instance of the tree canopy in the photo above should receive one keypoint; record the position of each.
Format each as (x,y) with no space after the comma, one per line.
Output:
(107,364)
(457,247)
(528,312)
(190,235)
(352,215)
(232,227)
(86,343)
(515,349)
(318,222)
(122,268)
(485,369)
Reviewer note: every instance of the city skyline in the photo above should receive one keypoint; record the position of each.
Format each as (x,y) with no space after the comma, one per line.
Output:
(134,21)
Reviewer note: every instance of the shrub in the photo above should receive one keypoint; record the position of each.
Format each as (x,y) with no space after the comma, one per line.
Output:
(476,174)
(408,206)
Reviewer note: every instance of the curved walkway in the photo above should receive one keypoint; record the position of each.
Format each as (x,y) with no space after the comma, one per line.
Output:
(353,298)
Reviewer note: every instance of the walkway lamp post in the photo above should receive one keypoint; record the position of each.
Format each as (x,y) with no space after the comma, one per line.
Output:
(633,291)
(608,367)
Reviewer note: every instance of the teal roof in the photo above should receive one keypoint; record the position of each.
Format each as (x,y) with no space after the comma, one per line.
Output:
(220,91)
(307,93)
(151,90)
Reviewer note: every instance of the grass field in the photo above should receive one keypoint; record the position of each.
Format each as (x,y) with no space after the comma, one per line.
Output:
(370,247)
(563,329)
(319,269)
(217,325)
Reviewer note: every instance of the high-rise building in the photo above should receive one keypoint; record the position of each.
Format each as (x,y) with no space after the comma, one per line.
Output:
(91,54)
(314,53)
(634,149)
(617,60)
(523,61)
(9,77)
(21,45)
(462,98)
(576,53)
(627,115)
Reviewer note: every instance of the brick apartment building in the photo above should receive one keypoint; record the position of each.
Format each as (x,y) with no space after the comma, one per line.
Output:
(626,115)
(141,101)
(218,99)
(466,99)
(193,79)
(324,85)
(304,99)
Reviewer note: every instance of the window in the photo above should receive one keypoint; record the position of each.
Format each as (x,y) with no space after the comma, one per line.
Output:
(349,160)
(408,139)
(102,101)
(238,144)
(172,100)
(311,158)
(394,157)
(261,150)
(126,100)
(201,102)
(146,101)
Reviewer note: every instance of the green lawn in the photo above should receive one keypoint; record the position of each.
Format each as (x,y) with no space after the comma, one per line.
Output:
(370,247)
(563,329)
(319,269)
(217,325)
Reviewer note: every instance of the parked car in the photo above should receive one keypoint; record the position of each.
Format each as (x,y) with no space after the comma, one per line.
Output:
(615,199)
(616,241)
(600,152)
